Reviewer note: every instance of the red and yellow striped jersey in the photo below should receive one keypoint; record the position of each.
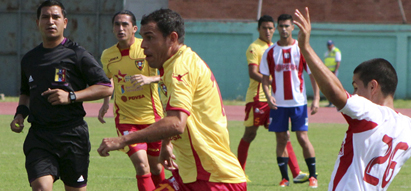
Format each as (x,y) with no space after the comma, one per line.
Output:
(202,151)
(132,104)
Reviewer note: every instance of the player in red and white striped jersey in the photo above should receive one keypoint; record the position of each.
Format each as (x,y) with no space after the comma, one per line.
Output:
(377,142)
(284,63)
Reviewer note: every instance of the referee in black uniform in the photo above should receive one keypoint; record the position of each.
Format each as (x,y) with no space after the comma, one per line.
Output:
(56,77)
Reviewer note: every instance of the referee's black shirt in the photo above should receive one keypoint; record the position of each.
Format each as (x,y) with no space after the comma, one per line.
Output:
(69,67)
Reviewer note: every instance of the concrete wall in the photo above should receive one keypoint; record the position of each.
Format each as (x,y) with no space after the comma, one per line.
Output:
(223,44)
(325,11)
(89,24)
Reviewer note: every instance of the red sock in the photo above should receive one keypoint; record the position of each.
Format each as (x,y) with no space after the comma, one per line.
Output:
(144,182)
(242,152)
(158,178)
(292,160)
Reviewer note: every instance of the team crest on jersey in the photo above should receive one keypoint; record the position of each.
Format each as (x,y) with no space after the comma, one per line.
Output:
(163,88)
(139,64)
(60,75)
(287,55)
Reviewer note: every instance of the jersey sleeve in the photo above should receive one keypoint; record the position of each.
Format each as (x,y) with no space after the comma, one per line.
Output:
(264,64)
(24,83)
(252,56)
(104,62)
(181,91)
(361,114)
(338,56)
(91,70)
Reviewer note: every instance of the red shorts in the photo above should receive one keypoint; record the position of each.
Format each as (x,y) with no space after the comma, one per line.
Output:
(152,149)
(256,114)
(175,183)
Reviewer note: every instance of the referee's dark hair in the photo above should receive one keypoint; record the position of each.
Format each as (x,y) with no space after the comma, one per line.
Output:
(265,18)
(125,12)
(167,21)
(50,3)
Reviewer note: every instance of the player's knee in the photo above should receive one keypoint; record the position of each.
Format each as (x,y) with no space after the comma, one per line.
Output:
(142,168)
(250,133)
(302,138)
(282,138)
(250,136)
(156,168)
(41,186)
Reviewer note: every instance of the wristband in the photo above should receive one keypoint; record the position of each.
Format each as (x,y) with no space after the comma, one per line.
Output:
(23,110)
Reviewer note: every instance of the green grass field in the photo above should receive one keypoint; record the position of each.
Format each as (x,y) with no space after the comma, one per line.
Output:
(117,173)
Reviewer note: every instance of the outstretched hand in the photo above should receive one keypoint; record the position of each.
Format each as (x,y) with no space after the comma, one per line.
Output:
(140,79)
(304,24)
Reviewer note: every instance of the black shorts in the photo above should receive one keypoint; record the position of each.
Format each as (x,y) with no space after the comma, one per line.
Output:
(60,152)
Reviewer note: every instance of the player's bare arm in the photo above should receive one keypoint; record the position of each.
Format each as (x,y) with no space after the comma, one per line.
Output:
(255,74)
(61,97)
(104,108)
(142,80)
(106,105)
(266,88)
(17,124)
(173,124)
(328,83)
(316,98)
(337,66)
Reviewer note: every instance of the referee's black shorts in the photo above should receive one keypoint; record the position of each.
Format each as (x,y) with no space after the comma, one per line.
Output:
(60,152)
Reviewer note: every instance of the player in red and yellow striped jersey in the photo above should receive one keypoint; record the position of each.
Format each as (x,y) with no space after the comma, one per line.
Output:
(195,127)
(136,100)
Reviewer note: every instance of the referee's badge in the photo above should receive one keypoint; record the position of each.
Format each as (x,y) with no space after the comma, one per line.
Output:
(139,64)
(60,75)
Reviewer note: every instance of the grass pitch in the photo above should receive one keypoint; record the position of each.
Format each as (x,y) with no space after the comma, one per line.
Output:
(116,172)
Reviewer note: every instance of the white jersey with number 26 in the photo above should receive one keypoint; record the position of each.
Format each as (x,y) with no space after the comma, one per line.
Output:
(376,145)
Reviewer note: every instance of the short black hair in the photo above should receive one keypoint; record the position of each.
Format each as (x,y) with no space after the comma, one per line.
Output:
(380,70)
(167,21)
(265,18)
(50,3)
(125,12)
(284,17)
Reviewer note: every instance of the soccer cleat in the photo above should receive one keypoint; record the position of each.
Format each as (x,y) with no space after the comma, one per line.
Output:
(313,182)
(284,183)
(301,177)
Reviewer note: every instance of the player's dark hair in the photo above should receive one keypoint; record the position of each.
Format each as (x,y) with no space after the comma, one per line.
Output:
(167,21)
(50,3)
(284,17)
(380,70)
(265,18)
(125,12)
